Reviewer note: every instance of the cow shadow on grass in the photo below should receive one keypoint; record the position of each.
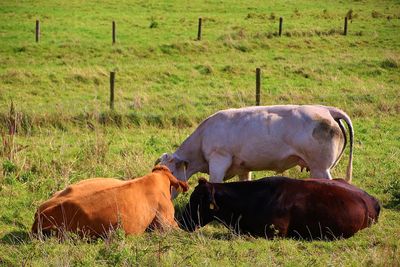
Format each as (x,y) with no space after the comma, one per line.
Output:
(16,238)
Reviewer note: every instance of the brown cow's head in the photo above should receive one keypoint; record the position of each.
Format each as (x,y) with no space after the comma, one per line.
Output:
(179,186)
(177,166)
(201,207)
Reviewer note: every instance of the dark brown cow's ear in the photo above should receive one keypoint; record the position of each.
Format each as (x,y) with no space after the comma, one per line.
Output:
(202,180)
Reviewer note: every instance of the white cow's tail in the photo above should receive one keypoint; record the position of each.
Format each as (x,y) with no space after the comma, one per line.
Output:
(338,115)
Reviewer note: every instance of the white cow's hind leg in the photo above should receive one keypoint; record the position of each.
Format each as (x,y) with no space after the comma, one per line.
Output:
(218,165)
(318,173)
(246,176)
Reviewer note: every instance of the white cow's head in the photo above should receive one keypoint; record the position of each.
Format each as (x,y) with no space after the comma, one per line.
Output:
(177,165)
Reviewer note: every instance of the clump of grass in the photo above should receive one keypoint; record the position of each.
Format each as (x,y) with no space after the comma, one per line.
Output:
(233,41)
(155,120)
(8,148)
(326,14)
(138,102)
(171,77)
(261,16)
(12,76)
(205,69)
(111,118)
(302,72)
(183,48)
(115,251)
(85,75)
(209,19)
(329,32)
(311,33)
(181,120)
(96,150)
(270,35)
(388,108)
(238,34)
(231,69)
(376,14)
(242,47)
(349,14)
(8,167)
(393,189)
(170,48)
(296,13)
(20,49)
(153,24)
(390,62)
(134,118)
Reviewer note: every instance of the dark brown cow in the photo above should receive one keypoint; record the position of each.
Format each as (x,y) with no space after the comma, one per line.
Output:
(280,206)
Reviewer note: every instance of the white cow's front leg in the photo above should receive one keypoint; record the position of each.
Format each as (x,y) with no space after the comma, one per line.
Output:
(218,165)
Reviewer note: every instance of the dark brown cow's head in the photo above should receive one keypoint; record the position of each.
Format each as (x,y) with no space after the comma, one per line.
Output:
(201,207)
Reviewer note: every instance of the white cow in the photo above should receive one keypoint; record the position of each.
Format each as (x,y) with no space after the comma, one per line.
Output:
(236,141)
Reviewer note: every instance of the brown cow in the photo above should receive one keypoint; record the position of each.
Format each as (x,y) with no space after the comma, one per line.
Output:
(93,207)
(280,206)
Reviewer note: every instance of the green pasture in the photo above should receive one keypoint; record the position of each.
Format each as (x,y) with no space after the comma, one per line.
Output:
(56,94)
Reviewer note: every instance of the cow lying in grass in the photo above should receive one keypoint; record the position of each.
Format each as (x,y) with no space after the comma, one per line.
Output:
(280,206)
(93,207)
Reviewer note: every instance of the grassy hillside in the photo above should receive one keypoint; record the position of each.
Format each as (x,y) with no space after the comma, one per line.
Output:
(166,83)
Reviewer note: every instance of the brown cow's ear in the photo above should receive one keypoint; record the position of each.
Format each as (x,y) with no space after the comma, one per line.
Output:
(178,184)
(183,185)
(202,180)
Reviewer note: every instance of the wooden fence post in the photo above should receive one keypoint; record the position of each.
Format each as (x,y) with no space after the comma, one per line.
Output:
(280,25)
(113,32)
(345,26)
(37,32)
(112,80)
(258,85)
(199,30)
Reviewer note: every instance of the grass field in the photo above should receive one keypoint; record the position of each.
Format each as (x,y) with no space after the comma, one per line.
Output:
(166,83)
